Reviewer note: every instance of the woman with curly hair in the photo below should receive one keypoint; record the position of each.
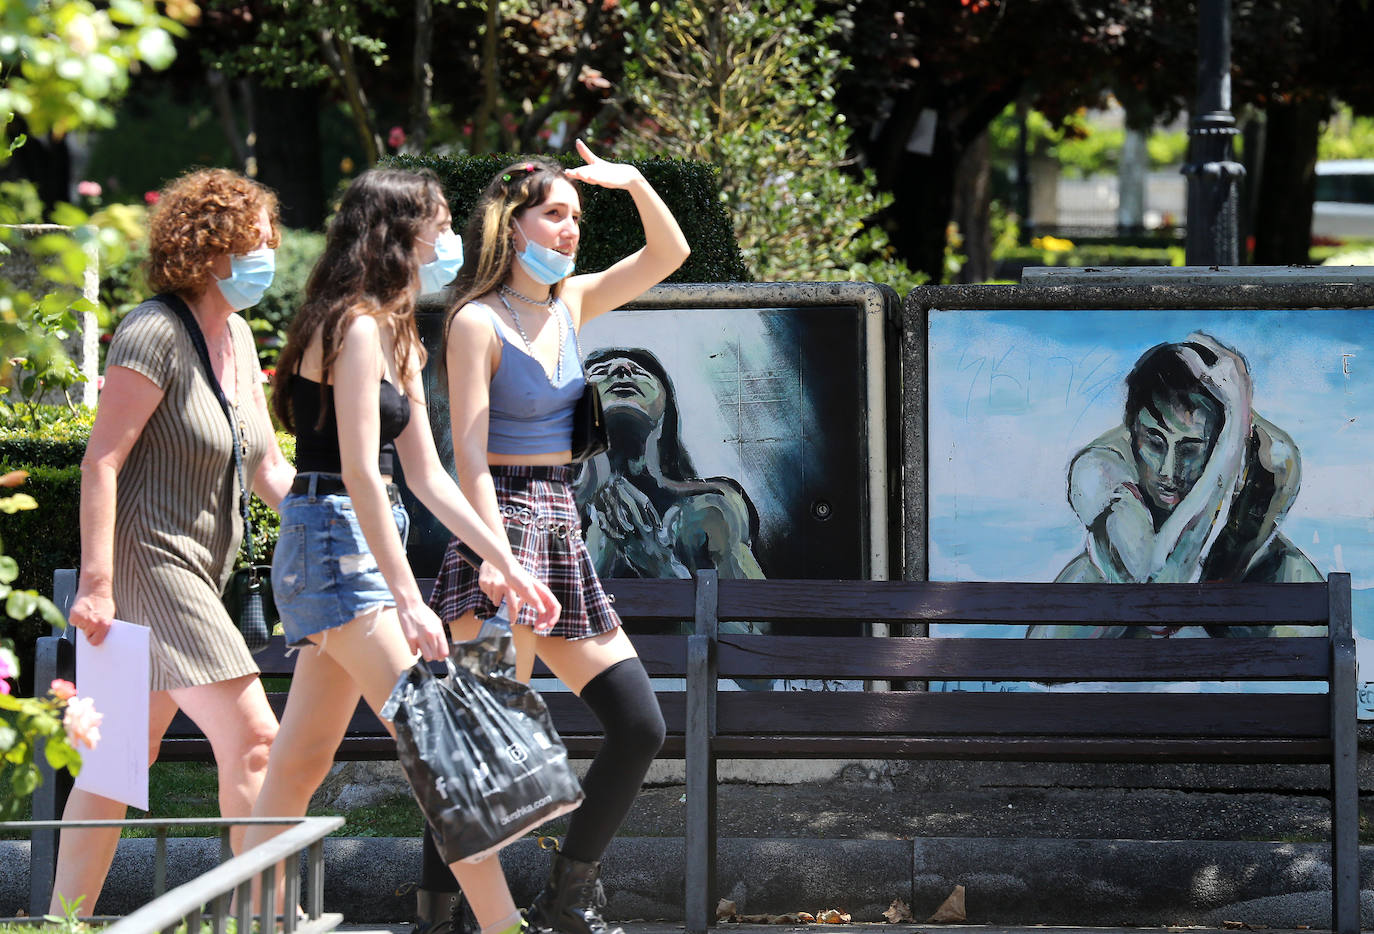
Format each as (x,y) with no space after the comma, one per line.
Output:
(160,519)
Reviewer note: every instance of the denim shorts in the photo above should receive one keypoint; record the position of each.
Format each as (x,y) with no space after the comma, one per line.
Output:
(323,573)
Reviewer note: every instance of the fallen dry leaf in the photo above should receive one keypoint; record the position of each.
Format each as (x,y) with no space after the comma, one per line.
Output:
(725,910)
(897,912)
(793,917)
(951,909)
(832,916)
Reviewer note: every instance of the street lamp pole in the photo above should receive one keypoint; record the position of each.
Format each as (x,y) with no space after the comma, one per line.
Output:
(1213,174)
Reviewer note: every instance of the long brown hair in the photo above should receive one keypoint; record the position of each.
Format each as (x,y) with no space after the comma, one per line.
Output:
(487,239)
(368,267)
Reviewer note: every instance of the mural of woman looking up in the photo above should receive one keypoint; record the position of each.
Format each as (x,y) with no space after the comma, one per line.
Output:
(514,380)
(647,513)
(1190,487)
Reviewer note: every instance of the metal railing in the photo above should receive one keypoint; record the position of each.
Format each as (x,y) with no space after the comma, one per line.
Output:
(207,898)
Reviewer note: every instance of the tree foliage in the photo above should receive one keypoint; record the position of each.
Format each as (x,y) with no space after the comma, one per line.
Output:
(65,63)
(720,82)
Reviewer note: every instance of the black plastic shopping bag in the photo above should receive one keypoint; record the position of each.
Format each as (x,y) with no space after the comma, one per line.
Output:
(479,748)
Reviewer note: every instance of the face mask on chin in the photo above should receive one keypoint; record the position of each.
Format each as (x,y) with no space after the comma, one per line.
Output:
(448,259)
(546,266)
(250,274)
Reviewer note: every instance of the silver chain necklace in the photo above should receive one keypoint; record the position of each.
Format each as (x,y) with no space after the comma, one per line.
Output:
(513,293)
(529,348)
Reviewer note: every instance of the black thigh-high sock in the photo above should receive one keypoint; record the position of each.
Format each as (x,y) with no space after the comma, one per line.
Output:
(623,700)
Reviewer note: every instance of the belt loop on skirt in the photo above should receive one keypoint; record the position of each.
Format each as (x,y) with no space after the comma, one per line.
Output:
(313,481)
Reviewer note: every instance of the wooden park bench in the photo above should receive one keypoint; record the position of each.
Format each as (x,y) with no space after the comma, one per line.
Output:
(1309,718)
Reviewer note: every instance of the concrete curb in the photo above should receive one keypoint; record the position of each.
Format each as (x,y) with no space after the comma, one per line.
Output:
(1008,881)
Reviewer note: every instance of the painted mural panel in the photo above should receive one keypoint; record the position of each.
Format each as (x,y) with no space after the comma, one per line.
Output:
(739,442)
(1167,445)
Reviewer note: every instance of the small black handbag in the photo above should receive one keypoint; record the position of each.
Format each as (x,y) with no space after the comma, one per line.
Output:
(248,592)
(589,436)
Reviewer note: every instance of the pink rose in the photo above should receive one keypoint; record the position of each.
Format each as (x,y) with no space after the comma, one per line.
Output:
(4,686)
(396,138)
(88,189)
(151,197)
(82,721)
(7,670)
(62,690)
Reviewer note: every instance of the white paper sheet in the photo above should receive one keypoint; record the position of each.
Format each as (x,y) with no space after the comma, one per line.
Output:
(115,675)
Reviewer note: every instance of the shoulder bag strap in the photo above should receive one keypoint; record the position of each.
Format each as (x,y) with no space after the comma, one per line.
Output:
(174,302)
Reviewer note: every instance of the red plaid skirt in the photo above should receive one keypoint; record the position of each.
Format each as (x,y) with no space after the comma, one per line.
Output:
(546,537)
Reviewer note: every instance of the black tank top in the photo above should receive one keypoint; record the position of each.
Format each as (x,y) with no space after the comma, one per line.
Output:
(317,450)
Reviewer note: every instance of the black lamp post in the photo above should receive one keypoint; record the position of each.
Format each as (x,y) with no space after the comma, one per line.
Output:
(1213,174)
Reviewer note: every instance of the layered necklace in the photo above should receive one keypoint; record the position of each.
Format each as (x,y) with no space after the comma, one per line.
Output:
(501,293)
(513,293)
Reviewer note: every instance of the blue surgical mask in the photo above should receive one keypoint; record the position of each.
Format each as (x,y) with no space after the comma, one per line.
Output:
(545,265)
(249,276)
(448,259)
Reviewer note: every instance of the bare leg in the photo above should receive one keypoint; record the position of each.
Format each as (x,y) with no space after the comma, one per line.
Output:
(375,660)
(84,856)
(318,708)
(237,720)
(371,654)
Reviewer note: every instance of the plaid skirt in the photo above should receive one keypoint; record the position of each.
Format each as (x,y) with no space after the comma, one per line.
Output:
(546,537)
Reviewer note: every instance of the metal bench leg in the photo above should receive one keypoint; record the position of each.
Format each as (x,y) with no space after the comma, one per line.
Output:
(54,657)
(1345,789)
(699,909)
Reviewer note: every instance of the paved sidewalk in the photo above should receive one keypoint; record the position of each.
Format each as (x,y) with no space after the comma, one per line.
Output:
(666,927)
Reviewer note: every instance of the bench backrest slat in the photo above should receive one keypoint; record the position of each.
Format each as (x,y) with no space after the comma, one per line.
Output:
(900,658)
(750,713)
(1022,603)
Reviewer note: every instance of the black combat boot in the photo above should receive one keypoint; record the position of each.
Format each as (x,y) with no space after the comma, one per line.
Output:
(571,902)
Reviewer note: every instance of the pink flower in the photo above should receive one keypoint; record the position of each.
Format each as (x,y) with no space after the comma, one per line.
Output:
(88,189)
(151,197)
(99,383)
(7,670)
(4,686)
(396,138)
(82,721)
(62,690)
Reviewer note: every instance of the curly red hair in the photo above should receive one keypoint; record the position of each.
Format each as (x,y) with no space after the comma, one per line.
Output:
(200,216)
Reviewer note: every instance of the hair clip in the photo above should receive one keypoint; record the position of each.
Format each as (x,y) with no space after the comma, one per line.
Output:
(527,167)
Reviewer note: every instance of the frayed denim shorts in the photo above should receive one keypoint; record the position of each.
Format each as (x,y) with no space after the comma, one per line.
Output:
(323,573)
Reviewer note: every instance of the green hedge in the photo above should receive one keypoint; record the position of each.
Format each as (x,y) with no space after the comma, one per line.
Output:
(610,224)
(49,537)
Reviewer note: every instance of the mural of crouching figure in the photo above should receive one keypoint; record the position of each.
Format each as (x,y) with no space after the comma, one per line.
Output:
(1190,487)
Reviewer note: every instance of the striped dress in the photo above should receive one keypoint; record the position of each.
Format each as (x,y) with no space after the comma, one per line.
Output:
(177,521)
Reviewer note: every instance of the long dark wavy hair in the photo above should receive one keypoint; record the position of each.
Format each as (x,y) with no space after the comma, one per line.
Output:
(368,267)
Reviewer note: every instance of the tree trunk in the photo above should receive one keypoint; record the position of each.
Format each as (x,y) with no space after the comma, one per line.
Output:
(339,56)
(1283,212)
(914,158)
(491,80)
(228,119)
(972,204)
(422,76)
(47,162)
(289,152)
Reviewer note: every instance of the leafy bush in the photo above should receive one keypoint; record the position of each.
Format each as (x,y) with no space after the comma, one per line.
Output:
(610,224)
(49,537)
(1052,251)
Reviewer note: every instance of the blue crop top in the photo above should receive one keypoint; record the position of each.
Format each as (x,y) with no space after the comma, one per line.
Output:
(529,414)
